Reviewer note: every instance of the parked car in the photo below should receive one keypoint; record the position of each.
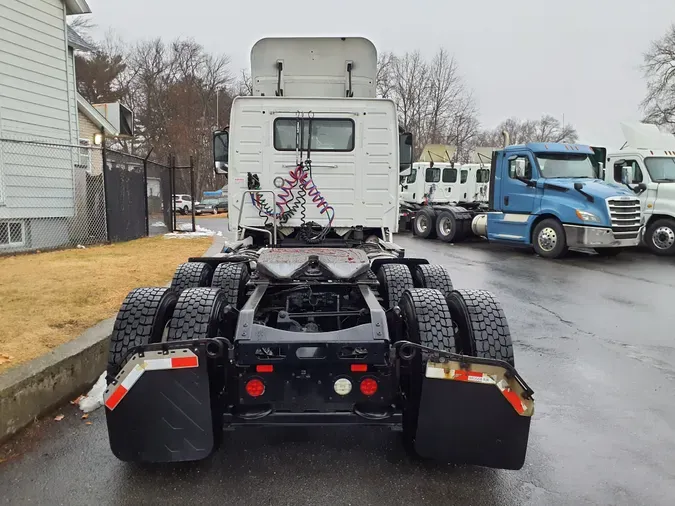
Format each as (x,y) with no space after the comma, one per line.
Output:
(212,206)
(183,203)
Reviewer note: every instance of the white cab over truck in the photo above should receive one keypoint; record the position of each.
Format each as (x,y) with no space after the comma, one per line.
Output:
(445,182)
(646,163)
(312,316)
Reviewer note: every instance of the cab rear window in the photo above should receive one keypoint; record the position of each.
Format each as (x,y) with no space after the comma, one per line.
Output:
(327,134)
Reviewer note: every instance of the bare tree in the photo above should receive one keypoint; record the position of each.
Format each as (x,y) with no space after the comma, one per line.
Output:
(177,91)
(659,70)
(463,126)
(83,25)
(444,89)
(244,84)
(384,80)
(432,99)
(545,129)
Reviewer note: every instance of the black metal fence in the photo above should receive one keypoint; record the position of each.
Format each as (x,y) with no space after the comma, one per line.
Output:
(139,196)
(60,195)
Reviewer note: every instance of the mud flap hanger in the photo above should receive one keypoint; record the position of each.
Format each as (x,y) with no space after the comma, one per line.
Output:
(215,347)
(406,350)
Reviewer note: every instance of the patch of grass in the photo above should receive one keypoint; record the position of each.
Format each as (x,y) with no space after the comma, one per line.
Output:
(48,299)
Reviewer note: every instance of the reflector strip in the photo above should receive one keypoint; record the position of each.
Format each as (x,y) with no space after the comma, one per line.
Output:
(115,397)
(458,375)
(181,362)
(127,380)
(124,386)
(512,397)
(477,377)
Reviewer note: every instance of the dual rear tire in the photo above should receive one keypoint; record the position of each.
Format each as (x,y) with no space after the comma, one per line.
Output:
(192,308)
(441,224)
(438,317)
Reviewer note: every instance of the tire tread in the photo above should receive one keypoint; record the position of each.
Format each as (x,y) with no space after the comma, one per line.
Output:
(191,275)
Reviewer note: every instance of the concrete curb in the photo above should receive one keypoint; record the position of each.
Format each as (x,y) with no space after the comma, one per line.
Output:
(31,390)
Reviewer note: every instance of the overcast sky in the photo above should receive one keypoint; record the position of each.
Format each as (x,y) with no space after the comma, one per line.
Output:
(523,58)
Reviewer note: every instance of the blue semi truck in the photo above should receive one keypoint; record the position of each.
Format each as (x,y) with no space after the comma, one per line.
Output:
(547,196)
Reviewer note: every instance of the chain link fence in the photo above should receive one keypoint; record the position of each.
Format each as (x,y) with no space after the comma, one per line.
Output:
(59,195)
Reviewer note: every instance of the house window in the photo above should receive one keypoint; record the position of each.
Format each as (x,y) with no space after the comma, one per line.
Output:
(84,155)
(12,234)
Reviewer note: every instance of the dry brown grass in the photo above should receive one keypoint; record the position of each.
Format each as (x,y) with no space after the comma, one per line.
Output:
(50,298)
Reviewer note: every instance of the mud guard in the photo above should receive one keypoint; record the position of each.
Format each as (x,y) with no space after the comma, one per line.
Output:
(158,409)
(474,414)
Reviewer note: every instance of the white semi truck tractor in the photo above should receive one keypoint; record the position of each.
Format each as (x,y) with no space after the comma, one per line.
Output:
(646,164)
(313,316)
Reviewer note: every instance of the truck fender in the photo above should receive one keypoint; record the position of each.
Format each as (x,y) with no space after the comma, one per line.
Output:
(542,215)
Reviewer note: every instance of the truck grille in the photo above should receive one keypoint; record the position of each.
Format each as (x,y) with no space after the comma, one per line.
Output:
(625,215)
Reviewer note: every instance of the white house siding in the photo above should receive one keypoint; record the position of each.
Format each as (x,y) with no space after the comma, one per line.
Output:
(37,103)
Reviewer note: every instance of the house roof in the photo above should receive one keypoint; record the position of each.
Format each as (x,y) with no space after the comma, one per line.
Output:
(77,42)
(77,7)
(95,117)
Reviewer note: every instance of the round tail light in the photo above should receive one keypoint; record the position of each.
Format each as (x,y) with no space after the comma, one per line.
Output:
(255,387)
(342,386)
(368,387)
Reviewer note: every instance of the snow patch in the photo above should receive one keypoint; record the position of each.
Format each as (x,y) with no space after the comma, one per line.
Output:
(94,399)
(185,232)
(158,224)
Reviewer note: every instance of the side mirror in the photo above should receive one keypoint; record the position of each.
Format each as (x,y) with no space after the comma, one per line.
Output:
(221,143)
(405,145)
(626,175)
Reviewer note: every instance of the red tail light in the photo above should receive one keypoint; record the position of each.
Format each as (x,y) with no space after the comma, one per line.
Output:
(255,387)
(368,387)
(264,368)
(359,367)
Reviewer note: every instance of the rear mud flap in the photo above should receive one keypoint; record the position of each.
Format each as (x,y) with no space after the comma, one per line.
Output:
(478,416)
(159,408)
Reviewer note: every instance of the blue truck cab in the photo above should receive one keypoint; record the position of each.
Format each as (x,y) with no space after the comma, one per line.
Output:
(550,196)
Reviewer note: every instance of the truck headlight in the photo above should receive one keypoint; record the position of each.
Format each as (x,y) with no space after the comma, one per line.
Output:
(586,216)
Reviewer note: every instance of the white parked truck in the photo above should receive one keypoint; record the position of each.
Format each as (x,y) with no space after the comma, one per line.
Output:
(312,316)
(445,182)
(646,163)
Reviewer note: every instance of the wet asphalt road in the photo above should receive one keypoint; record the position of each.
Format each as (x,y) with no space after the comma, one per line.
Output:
(593,337)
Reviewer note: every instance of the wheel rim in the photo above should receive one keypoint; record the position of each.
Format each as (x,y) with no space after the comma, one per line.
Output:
(445,226)
(422,223)
(663,238)
(547,239)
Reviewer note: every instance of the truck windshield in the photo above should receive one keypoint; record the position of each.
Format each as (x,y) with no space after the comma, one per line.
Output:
(661,169)
(565,165)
